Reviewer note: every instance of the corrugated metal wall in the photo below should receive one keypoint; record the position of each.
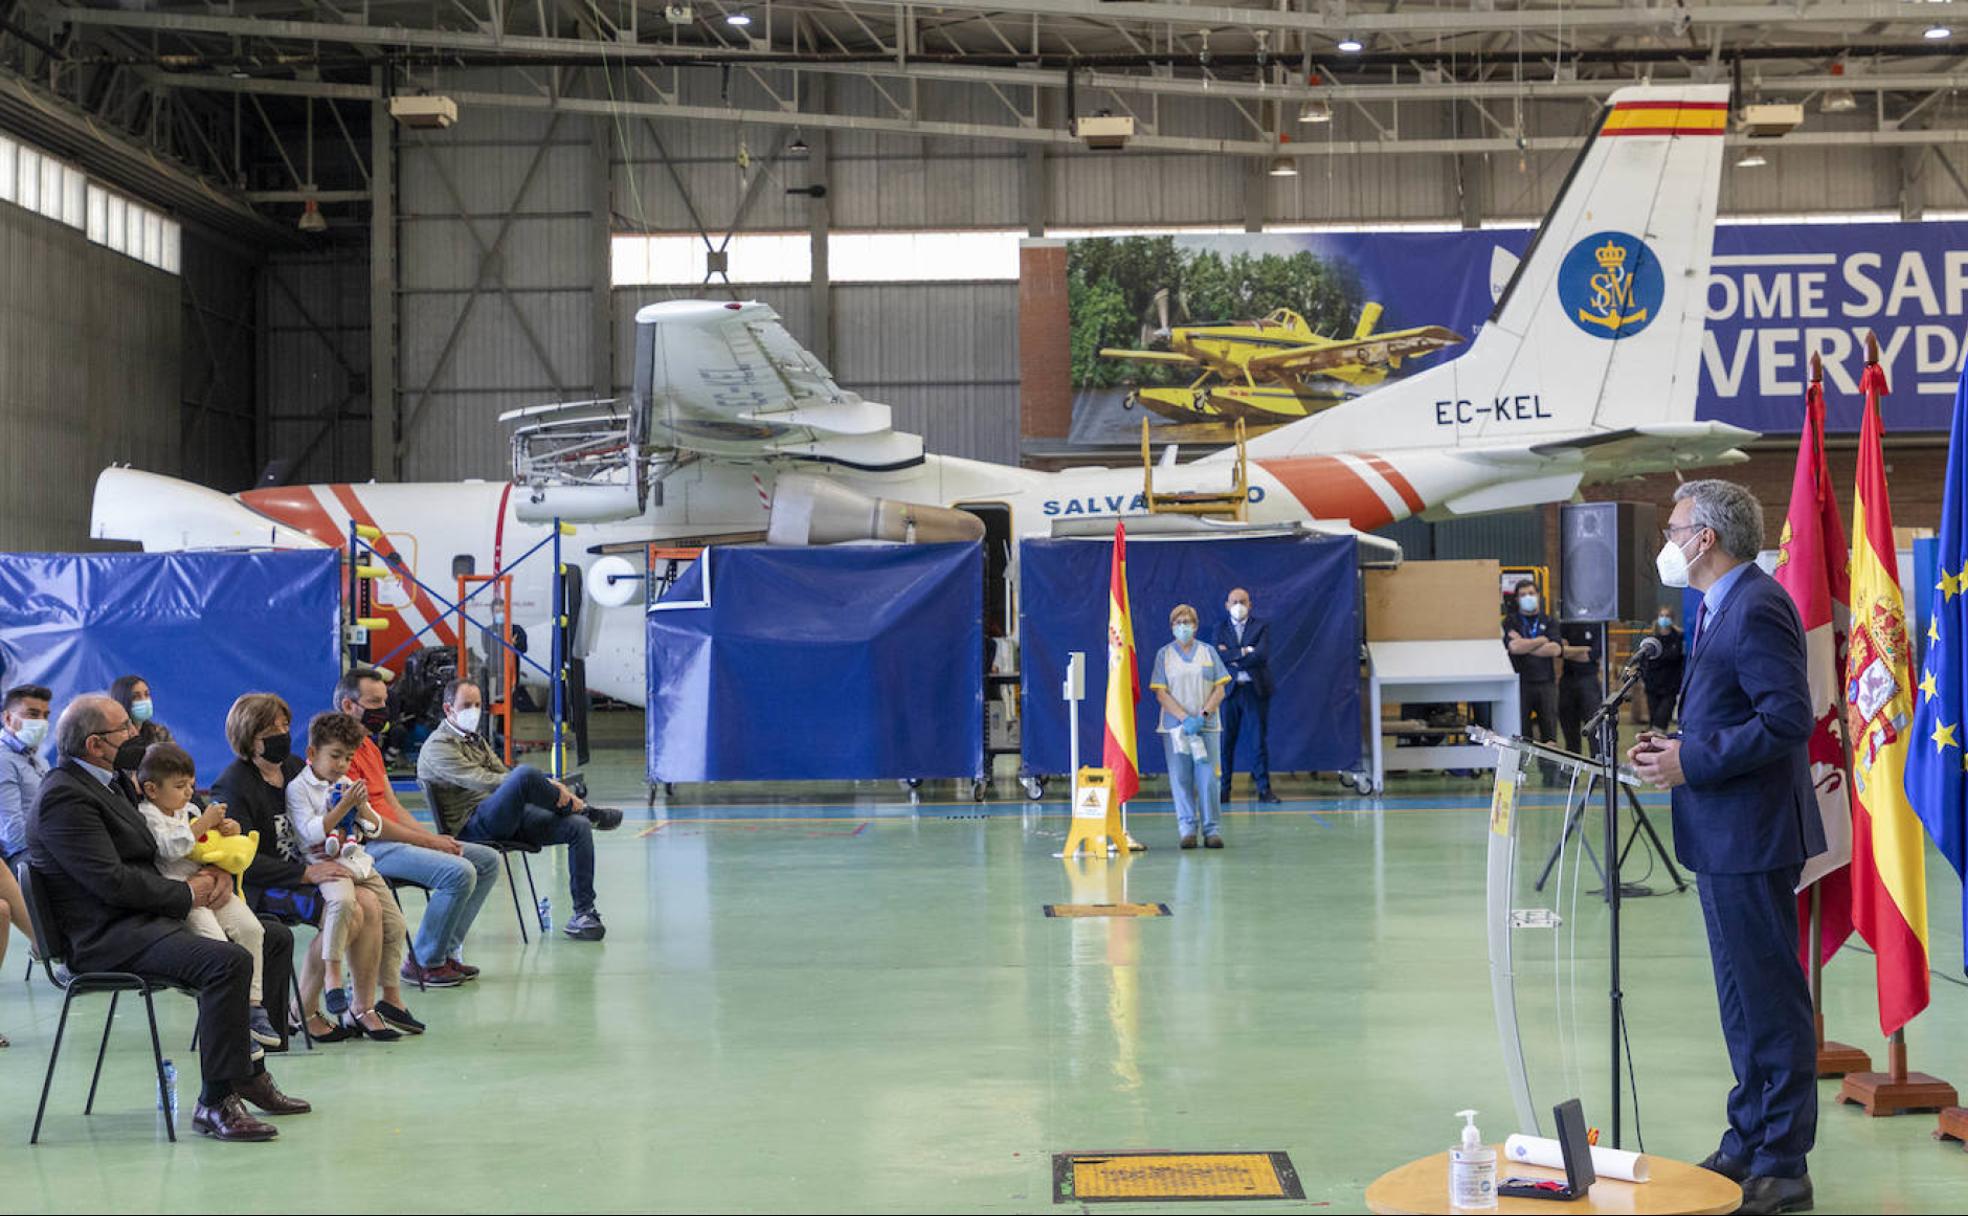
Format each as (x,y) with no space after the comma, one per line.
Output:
(89,358)
(218,375)
(314,339)
(496,275)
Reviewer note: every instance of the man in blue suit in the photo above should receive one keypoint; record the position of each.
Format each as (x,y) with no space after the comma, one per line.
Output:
(1745,820)
(1245,644)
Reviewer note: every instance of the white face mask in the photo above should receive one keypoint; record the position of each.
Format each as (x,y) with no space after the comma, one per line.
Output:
(32,731)
(467,719)
(1527,604)
(1672,565)
(1238,612)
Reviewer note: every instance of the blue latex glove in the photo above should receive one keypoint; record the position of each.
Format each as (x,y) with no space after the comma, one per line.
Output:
(1192,725)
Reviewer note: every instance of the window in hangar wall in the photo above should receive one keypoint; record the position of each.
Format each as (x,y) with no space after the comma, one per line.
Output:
(35,181)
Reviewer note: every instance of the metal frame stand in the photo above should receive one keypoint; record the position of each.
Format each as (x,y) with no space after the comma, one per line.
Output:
(359,546)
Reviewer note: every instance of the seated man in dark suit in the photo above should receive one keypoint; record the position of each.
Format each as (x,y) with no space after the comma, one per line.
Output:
(97,863)
(1745,820)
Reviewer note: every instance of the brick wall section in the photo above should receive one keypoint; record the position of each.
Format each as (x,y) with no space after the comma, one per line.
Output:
(1045,391)
(1915,471)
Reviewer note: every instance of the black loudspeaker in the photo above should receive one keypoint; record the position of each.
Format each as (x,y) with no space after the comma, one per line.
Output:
(1607,572)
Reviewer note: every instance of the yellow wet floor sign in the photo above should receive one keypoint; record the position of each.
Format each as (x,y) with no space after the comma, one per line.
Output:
(1147,1176)
(1096,816)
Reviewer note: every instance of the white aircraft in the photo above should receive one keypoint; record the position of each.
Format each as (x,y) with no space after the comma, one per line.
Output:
(1586,371)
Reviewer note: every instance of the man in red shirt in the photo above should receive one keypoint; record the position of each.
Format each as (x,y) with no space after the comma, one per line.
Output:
(457,874)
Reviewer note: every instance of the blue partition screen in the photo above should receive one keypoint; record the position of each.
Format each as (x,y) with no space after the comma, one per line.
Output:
(1306,588)
(202,628)
(843,663)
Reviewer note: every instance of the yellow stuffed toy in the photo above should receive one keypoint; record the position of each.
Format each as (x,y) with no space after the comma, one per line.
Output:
(230,853)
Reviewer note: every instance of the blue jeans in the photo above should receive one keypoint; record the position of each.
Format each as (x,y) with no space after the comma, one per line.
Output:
(457,885)
(1193,783)
(522,809)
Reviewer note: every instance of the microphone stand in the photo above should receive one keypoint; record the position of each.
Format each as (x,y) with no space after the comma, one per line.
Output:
(1604,729)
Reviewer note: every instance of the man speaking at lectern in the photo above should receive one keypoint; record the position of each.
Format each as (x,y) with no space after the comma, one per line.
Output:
(1745,820)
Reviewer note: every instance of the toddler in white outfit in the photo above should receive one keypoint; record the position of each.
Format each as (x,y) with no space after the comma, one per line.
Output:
(169,779)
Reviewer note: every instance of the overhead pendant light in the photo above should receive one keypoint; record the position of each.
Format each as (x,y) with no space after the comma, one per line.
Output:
(311,218)
(1934,33)
(798,147)
(1283,166)
(1752,159)
(1350,46)
(1315,111)
(1838,101)
(737,17)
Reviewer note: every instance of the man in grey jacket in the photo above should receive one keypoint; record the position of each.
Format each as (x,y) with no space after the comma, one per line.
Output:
(483,800)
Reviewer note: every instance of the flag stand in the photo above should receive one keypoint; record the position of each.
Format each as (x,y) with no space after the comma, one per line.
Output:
(1835,1059)
(1953,1125)
(1896,1091)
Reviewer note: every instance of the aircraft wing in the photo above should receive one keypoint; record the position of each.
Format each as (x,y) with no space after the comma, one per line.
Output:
(1372,351)
(727,379)
(1148,356)
(1655,448)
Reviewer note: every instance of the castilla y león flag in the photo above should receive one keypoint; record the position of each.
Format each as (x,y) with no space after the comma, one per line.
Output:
(1889,877)
(1117,753)
(1818,585)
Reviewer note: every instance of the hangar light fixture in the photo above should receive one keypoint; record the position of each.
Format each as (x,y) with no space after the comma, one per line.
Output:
(1283,166)
(737,18)
(1752,159)
(1315,111)
(311,218)
(1934,33)
(1838,101)
(1350,46)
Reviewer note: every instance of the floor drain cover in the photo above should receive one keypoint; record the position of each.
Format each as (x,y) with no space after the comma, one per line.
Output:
(1107,910)
(1153,1175)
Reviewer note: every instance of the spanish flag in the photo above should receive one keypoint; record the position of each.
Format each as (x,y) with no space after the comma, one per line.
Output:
(1117,753)
(1889,877)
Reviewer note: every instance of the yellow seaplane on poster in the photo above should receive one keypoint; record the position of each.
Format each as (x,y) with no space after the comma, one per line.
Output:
(1276,369)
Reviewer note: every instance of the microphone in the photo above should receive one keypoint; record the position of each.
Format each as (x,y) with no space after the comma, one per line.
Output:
(1649,648)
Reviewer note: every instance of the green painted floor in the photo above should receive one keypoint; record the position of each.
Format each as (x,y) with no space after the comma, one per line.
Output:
(850,1007)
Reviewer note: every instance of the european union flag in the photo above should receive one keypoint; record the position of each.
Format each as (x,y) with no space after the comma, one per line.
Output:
(1937,764)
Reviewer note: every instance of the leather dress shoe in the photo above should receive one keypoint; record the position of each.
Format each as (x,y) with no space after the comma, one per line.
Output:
(229,1121)
(1735,1169)
(1267,796)
(1764,1194)
(263,1093)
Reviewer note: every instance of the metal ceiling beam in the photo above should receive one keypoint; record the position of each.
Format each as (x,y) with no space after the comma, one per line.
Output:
(1406,19)
(1043,136)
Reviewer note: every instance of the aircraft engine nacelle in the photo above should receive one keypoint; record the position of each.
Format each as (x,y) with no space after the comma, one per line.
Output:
(809,510)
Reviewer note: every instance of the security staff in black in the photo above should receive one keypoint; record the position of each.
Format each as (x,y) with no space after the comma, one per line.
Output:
(1528,636)
(1580,689)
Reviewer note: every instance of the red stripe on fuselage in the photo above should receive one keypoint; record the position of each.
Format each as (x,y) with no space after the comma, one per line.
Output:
(1326,488)
(433,616)
(1401,484)
(297,507)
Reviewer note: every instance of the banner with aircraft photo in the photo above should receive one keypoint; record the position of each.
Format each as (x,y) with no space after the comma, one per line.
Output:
(1195,331)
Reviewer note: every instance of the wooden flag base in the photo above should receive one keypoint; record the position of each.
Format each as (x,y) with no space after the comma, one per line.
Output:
(1837,1059)
(1954,1125)
(1896,1091)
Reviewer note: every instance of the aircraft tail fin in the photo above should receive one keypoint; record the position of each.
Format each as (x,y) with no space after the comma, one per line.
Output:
(1599,328)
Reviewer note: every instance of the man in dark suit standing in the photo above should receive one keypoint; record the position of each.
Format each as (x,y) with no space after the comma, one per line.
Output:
(96,861)
(1244,642)
(1745,820)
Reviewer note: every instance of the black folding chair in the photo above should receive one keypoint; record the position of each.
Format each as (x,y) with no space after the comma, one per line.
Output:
(54,949)
(397,886)
(506,850)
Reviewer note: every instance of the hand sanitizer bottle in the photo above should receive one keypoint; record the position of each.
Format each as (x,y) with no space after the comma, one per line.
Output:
(1472,1170)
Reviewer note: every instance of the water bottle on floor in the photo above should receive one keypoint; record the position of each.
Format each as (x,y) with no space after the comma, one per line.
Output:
(167,1097)
(546,914)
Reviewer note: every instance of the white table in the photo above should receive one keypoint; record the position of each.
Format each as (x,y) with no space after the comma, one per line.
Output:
(1475,670)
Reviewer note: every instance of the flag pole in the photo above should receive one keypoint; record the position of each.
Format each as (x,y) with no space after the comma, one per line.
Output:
(1835,1059)
(1895,1091)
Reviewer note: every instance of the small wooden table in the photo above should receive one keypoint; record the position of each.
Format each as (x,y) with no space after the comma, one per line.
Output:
(1423,1186)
